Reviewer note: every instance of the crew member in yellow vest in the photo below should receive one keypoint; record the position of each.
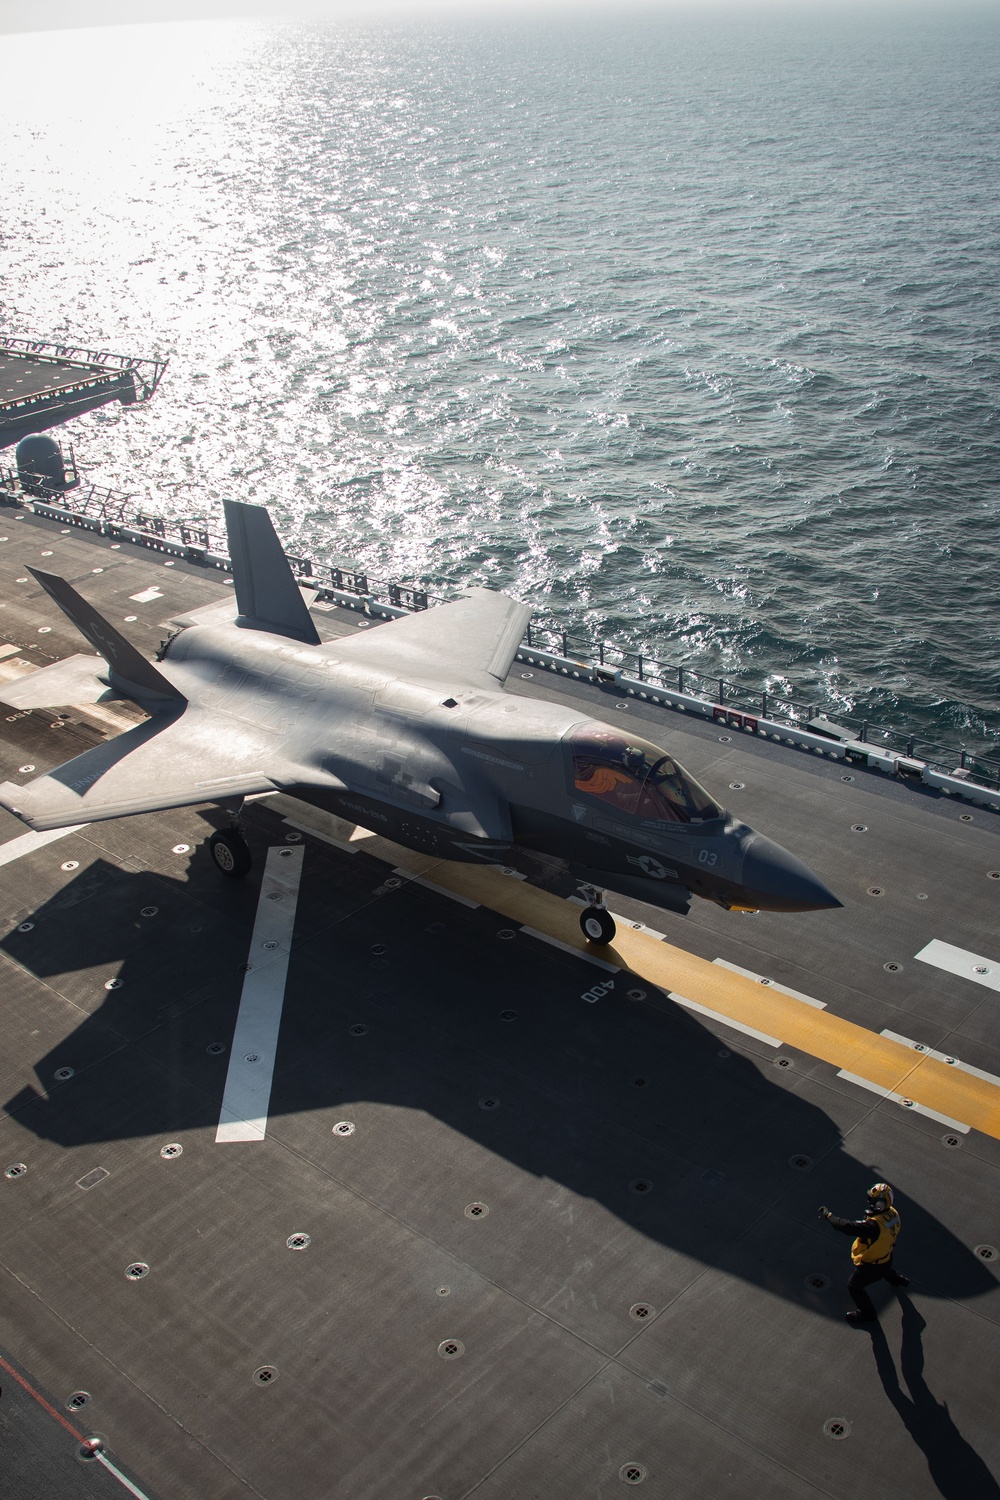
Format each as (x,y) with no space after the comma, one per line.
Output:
(874,1241)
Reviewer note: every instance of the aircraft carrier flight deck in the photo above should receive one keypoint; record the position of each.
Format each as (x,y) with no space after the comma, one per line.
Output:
(528,1217)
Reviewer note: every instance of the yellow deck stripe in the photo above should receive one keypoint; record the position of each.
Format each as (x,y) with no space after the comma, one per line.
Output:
(950,1091)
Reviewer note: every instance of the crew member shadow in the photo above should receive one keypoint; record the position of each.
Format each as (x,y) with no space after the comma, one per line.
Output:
(710,1129)
(955,1466)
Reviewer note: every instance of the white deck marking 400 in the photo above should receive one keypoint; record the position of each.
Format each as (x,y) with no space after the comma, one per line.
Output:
(255,1042)
(958,961)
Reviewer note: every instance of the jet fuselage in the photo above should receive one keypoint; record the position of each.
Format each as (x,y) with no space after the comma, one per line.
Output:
(451,768)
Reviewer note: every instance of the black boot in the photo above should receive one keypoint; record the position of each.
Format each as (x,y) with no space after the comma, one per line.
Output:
(859,1317)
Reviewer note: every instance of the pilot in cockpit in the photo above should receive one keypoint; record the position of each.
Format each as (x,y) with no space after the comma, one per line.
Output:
(636,778)
(611,772)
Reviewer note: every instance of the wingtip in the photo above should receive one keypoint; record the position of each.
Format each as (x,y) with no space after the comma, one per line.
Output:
(9,797)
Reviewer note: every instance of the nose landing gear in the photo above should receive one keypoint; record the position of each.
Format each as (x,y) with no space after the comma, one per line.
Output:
(596,922)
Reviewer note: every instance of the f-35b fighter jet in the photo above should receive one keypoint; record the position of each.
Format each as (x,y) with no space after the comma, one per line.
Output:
(405,730)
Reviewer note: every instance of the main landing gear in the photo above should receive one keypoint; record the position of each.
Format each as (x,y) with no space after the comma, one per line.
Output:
(230,850)
(596,922)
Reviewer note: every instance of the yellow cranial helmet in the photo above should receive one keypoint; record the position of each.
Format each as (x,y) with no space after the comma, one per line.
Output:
(879,1197)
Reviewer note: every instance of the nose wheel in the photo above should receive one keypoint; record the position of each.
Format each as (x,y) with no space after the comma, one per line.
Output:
(231,853)
(597,924)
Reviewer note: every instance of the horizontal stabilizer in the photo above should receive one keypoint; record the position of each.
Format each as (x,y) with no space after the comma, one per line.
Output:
(473,639)
(266,592)
(132,673)
(75,680)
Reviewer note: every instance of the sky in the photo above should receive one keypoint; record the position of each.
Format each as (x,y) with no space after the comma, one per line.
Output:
(44,15)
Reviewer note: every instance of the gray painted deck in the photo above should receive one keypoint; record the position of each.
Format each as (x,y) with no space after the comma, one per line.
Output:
(721,1389)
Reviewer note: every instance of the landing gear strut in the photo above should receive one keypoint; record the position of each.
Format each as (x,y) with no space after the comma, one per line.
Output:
(596,922)
(230,850)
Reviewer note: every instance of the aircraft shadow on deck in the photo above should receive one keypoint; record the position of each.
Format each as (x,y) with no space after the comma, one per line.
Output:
(711,1130)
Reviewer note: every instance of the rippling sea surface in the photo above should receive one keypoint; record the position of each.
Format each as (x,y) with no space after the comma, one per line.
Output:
(683,329)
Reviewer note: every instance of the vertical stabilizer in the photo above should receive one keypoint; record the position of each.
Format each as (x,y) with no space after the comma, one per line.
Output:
(267,595)
(131,673)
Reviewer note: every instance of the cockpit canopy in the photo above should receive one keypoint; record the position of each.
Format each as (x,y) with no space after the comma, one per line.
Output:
(635,777)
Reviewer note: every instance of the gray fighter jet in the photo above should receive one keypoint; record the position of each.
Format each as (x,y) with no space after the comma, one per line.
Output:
(405,730)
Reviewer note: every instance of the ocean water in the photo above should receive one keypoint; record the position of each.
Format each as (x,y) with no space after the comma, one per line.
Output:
(684,329)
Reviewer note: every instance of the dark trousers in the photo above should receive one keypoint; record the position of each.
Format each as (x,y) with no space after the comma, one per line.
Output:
(863,1277)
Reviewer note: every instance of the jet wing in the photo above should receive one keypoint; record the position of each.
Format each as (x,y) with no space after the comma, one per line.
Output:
(472,640)
(172,760)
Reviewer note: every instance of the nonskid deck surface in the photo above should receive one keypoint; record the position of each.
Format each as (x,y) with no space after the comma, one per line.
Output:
(570,1243)
(22,377)
(38,391)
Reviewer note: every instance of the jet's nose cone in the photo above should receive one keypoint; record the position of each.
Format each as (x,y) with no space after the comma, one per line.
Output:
(777,881)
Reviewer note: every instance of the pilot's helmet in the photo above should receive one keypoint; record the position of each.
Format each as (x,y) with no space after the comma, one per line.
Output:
(633,759)
(879,1198)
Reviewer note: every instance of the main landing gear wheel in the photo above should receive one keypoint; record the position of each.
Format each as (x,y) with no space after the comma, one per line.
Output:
(231,853)
(597,924)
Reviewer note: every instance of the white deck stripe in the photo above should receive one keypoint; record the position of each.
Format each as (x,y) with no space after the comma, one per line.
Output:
(439,890)
(907,1104)
(713,1015)
(317,833)
(944,1057)
(771,984)
(248,1084)
(568,948)
(29,842)
(960,961)
(132,1488)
